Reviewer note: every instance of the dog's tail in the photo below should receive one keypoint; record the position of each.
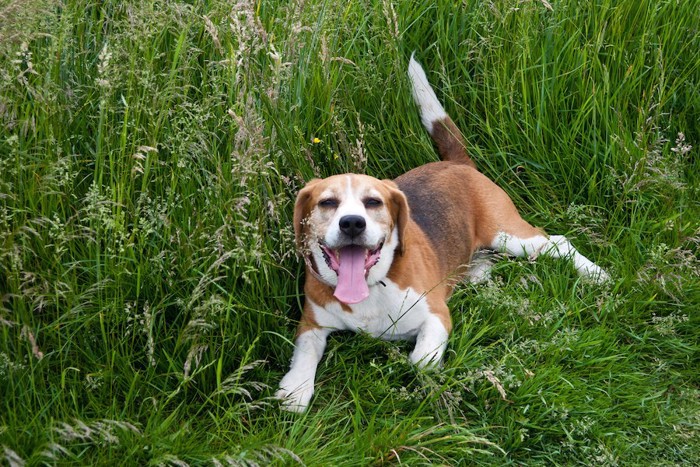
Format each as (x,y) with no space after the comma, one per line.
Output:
(442,129)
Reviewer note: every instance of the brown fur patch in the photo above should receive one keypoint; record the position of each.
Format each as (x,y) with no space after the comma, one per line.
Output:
(307,321)
(302,208)
(399,211)
(419,269)
(450,142)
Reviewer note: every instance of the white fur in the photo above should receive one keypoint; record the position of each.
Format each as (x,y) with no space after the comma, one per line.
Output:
(556,246)
(480,267)
(431,343)
(389,313)
(297,386)
(430,108)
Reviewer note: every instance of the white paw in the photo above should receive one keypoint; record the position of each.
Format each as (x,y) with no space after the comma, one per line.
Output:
(480,267)
(295,393)
(595,273)
(425,361)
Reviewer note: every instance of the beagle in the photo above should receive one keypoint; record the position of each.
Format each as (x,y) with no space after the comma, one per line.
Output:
(382,256)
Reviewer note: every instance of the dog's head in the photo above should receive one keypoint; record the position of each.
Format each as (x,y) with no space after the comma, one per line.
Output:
(351,225)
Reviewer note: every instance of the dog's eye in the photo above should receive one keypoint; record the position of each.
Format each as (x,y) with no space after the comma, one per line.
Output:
(328,203)
(373,202)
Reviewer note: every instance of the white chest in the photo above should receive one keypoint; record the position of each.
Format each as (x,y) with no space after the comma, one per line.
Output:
(388,313)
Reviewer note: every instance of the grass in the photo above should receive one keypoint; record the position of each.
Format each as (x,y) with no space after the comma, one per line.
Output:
(150,153)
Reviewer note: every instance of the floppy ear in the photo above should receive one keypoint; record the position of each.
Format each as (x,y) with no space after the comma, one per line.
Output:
(400,212)
(302,209)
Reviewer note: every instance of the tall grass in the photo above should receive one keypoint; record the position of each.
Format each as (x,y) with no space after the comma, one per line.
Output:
(150,153)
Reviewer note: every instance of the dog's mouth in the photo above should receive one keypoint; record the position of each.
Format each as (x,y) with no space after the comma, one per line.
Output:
(352,264)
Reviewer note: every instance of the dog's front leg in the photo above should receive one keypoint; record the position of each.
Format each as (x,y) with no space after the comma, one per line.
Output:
(431,342)
(297,386)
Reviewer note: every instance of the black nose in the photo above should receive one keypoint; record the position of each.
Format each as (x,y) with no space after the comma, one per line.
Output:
(352,225)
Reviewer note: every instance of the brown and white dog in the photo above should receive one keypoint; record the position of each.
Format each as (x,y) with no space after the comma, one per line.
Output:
(383,256)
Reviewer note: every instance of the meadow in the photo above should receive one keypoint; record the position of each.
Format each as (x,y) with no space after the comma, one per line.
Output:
(150,153)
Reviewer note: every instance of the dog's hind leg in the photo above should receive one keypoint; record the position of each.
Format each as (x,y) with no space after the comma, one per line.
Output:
(523,240)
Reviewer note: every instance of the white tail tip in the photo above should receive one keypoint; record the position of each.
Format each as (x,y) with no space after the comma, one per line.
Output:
(430,108)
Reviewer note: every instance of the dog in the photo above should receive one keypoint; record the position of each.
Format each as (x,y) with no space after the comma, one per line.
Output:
(382,256)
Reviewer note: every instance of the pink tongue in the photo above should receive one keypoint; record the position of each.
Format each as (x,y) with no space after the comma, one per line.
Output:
(352,285)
